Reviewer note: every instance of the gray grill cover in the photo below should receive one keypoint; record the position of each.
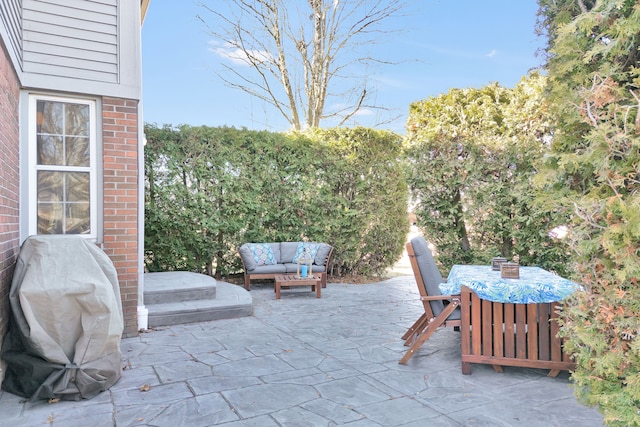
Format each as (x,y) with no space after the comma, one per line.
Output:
(63,339)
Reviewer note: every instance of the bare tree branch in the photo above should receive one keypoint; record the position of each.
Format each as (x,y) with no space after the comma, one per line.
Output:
(355,110)
(583,8)
(293,70)
(637,120)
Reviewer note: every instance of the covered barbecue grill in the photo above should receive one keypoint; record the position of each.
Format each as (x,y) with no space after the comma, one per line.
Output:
(66,321)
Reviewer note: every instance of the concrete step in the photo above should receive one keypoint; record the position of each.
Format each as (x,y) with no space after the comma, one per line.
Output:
(175,286)
(169,299)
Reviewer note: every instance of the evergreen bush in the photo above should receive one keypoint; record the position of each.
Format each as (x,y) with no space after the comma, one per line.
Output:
(592,173)
(471,157)
(208,190)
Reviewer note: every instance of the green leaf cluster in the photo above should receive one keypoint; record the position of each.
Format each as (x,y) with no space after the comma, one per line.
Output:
(592,173)
(471,156)
(208,190)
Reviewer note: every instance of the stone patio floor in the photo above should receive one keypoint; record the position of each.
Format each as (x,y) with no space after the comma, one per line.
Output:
(303,361)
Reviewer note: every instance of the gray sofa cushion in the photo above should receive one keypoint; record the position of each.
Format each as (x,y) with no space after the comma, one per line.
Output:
(321,255)
(287,251)
(270,269)
(293,268)
(247,257)
(429,272)
(318,269)
(275,247)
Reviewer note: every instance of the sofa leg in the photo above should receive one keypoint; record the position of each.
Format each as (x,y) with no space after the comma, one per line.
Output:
(247,283)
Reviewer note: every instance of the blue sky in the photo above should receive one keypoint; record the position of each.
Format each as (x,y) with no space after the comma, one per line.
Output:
(443,44)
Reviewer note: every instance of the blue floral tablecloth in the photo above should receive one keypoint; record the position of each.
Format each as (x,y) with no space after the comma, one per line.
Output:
(535,284)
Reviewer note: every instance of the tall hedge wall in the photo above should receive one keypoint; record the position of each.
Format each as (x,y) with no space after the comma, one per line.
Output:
(208,190)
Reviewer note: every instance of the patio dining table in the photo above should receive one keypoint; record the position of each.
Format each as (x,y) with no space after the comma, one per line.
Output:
(535,284)
(510,322)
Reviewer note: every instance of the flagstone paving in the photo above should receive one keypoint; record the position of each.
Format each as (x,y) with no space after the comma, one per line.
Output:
(304,361)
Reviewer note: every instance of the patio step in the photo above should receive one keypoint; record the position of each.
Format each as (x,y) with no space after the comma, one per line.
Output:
(179,297)
(175,286)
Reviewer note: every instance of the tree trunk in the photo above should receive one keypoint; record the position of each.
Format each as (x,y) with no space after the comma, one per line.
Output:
(507,246)
(219,256)
(315,99)
(282,66)
(460,224)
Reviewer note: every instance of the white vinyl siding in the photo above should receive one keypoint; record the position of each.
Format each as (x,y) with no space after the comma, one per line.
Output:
(73,39)
(75,46)
(11,19)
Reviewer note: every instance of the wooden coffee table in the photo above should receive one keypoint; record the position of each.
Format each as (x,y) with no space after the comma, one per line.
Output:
(292,280)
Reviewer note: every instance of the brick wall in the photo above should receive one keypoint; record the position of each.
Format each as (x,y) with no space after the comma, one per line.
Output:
(9,183)
(120,155)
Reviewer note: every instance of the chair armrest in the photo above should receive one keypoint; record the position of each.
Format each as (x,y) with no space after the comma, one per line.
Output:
(326,263)
(244,266)
(439,297)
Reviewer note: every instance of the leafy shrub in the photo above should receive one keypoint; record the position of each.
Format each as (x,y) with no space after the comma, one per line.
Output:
(592,173)
(364,197)
(208,190)
(471,159)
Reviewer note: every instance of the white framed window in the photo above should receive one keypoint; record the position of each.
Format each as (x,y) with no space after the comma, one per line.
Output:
(62,166)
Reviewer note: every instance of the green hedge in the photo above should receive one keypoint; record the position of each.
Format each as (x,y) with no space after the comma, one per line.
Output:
(592,172)
(208,190)
(471,162)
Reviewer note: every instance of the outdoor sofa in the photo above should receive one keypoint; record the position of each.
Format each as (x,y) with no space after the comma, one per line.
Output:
(267,260)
